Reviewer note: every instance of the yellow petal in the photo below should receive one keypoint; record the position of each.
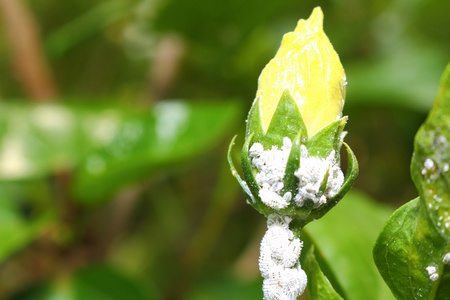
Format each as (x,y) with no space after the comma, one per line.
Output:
(309,67)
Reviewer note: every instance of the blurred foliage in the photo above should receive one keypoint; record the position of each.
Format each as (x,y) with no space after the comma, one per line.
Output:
(165,217)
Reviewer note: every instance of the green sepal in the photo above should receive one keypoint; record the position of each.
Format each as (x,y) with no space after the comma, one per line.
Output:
(249,185)
(327,139)
(323,185)
(249,172)
(291,181)
(254,121)
(286,122)
(349,180)
(235,173)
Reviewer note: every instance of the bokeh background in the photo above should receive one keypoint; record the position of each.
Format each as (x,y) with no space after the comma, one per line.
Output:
(115,118)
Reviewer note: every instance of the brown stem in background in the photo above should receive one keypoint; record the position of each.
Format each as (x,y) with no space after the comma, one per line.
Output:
(26,50)
(165,66)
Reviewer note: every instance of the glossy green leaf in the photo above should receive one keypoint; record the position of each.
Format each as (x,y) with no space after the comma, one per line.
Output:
(410,250)
(106,145)
(172,133)
(319,288)
(39,139)
(344,237)
(405,248)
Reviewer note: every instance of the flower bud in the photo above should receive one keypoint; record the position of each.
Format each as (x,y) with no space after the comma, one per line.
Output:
(290,158)
(307,66)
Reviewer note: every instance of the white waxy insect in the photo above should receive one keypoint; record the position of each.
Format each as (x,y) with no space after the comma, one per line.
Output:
(432,272)
(271,166)
(428,164)
(446,259)
(279,261)
(311,174)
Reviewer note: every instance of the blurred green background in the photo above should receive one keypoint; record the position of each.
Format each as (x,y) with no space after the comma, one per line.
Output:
(115,117)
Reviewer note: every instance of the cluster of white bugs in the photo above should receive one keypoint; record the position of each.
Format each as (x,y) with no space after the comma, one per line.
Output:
(432,272)
(271,166)
(279,261)
(311,174)
(280,249)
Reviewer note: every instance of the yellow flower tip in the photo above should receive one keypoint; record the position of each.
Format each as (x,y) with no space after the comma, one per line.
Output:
(314,24)
(308,66)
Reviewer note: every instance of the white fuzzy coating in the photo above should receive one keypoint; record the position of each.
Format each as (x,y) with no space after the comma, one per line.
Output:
(311,174)
(279,261)
(279,246)
(271,165)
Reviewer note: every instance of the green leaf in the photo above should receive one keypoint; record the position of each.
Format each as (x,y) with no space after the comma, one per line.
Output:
(403,251)
(172,133)
(344,237)
(108,145)
(39,139)
(319,288)
(416,238)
